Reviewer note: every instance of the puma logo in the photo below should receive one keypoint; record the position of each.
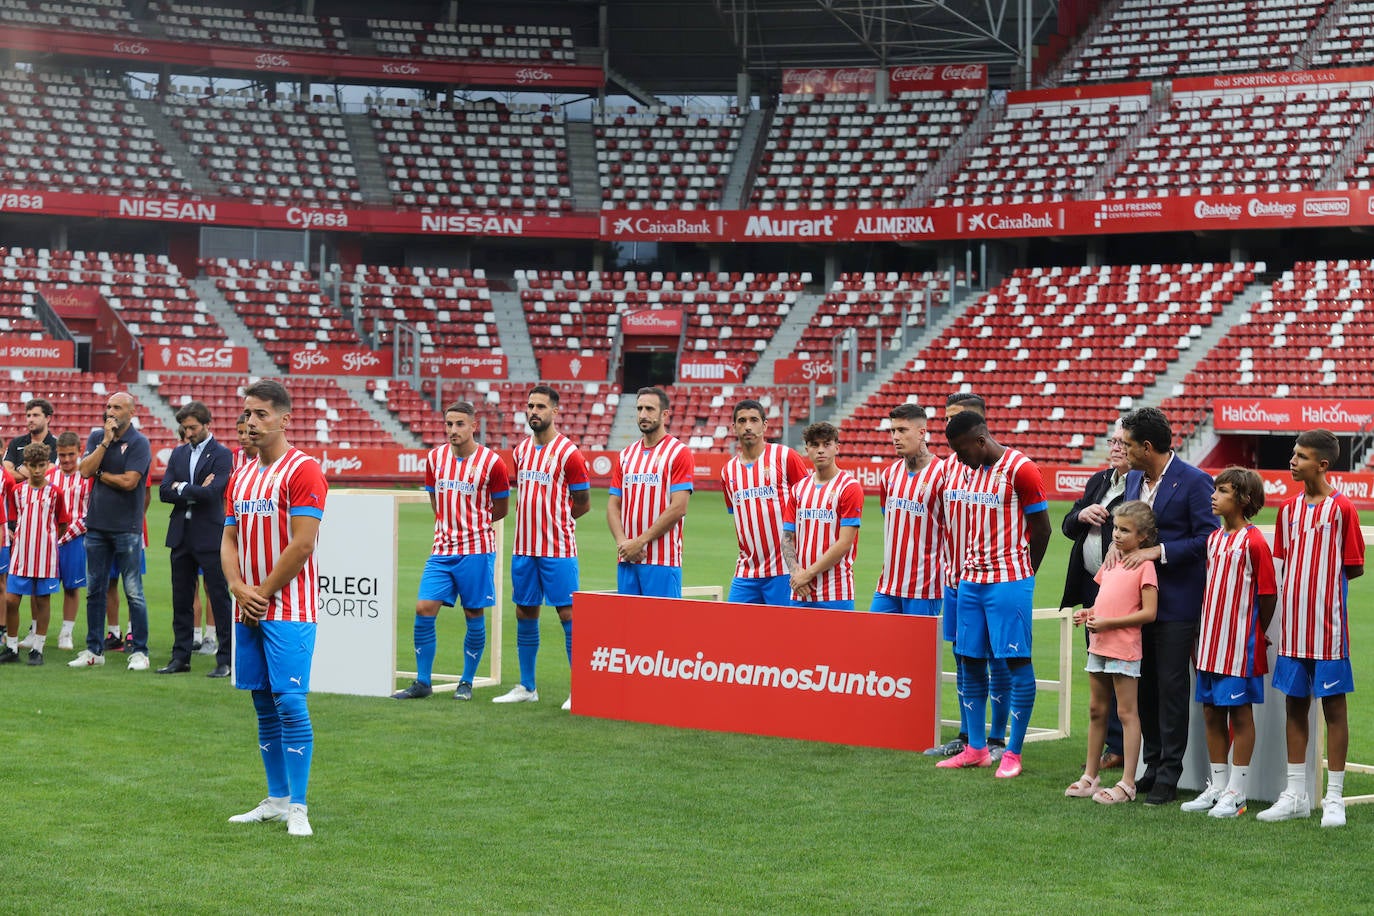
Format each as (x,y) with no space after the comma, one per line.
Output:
(265,747)
(296,750)
(297,682)
(1015,647)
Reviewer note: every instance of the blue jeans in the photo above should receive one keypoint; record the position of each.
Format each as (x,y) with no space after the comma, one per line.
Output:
(102,548)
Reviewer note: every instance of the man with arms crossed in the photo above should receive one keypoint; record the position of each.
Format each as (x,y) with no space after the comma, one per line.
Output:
(909,496)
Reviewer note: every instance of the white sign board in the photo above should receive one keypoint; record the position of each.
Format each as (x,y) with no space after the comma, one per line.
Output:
(355,645)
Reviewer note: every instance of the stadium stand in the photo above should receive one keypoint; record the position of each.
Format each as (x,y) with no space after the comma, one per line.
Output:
(63,132)
(1152,39)
(70,15)
(286,152)
(450,308)
(702,415)
(322,413)
(473,41)
(890,302)
(843,151)
(266,28)
(1046,343)
(1349,41)
(480,156)
(665,156)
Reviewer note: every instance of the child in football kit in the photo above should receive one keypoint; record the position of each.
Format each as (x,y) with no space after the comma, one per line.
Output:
(1126,601)
(39,515)
(1317,536)
(1231,660)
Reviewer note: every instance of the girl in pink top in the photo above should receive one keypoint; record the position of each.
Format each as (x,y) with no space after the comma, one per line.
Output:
(1125,602)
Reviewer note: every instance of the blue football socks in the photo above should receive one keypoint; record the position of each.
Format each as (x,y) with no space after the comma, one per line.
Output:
(527,649)
(298,742)
(270,744)
(975,700)
(425,644)
(1022,702)
(999,697)
(473,645)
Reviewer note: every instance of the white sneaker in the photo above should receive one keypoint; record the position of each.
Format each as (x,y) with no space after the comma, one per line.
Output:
(297,824)
(1206,800)
(567,705)
(138,661)
(86,659)
(269,809)
(1333,812)
(1289,807)
(1230,804)
(518,694)
(209,646)
(64,641)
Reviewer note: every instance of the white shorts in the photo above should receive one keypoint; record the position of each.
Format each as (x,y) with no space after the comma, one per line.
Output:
(1101,664)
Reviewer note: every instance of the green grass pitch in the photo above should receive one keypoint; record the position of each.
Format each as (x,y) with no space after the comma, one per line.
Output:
(119,785)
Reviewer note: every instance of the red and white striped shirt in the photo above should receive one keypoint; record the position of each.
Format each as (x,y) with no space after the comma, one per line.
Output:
(645,479)
(260,502)
(756,495)
(912,539)
(76,490)
(39,510)
(241,458)
(995,502)
(1316,543)
(952,484)
(546,476)
(1239,570)
(462,490)
(822,509)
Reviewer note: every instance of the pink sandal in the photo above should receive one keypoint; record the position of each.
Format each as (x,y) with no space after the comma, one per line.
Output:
(1115,795)
(1084,787)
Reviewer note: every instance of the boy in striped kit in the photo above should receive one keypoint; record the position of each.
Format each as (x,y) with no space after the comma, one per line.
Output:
(71,546)
(273,510)
(1231,660)
(828,509)
(1317,536)
(469,491)
(1006,528)
(42,517)
(757,485)
(552,490)
(647,502)
(909,496)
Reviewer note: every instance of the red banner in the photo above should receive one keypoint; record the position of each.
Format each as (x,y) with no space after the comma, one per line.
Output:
(836,676)
(73,301)
(573,367)
(1269,415)
(790,371)
(148,52)
(1274,79)
(936,78)
(820,80)
(44,354)
(711,371)
(341,361)
(464,365)
(652,323)
(1078,93)
(194,358)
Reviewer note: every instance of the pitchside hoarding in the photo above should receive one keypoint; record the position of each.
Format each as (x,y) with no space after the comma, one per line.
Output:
(1291,415)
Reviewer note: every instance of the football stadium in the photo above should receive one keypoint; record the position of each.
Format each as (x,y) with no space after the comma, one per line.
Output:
(1075,214)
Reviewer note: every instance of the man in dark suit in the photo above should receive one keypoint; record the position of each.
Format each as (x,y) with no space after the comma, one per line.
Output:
(197,475)
(1089,526)
(1181,496)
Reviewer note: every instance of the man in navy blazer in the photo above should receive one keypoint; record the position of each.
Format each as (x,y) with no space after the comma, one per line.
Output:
(1181,496)
(197,475)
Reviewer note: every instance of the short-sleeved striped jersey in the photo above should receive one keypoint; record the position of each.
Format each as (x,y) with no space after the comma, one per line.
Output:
(260,503)
(756,495)
(38,511)
(822,509)
(76,490)
(645,479)
(1316,542)
(545,478)
(7,483)
(951,487)
(241,458)
(463,489)
(1240,568)
(912,539)
(995,502)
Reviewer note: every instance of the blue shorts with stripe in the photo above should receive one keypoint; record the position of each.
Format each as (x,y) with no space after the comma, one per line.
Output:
(274,655)
(772,590)
(648,580)
(825,605)
(918,607)
(951,614)
(38,586)
(543,580)
(1228,689)
(71,562)
(1311,677)
(995,618)
(468,580)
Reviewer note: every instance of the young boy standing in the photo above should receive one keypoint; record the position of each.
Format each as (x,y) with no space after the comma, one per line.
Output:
(71,546)
(829,507)
(1317,536)
(1231,659)
(42,517)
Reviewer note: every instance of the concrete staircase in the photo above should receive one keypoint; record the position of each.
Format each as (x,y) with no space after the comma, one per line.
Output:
(158,411)
(181,155)
(625,429)
(785,337)
(372,179)
(586,185)
(514,335)
(259,362)
(744,168)
(357,389)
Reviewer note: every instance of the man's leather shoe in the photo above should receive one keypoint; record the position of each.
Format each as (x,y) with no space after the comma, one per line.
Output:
(220,671)
(1111,761)
(1145,783)
(1161,794)
(175,667)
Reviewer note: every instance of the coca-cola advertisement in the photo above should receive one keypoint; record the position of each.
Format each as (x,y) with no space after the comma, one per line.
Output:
(42,354)
(652,323)
(341,361)
(820,80)
(573,367)
(804,371)
(711,371)
(937,78)
(1279,415)
(464,365)
(192,357)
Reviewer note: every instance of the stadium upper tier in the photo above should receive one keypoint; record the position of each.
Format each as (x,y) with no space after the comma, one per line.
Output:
(450,308)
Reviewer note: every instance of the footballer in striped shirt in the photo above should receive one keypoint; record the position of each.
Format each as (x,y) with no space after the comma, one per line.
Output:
(551,490)
(829,508)
(910,499)
(273,510)
(757,485)
(41,518)
(71,547)
(647,503)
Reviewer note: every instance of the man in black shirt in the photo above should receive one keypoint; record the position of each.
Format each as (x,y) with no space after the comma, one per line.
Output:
(37,416)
